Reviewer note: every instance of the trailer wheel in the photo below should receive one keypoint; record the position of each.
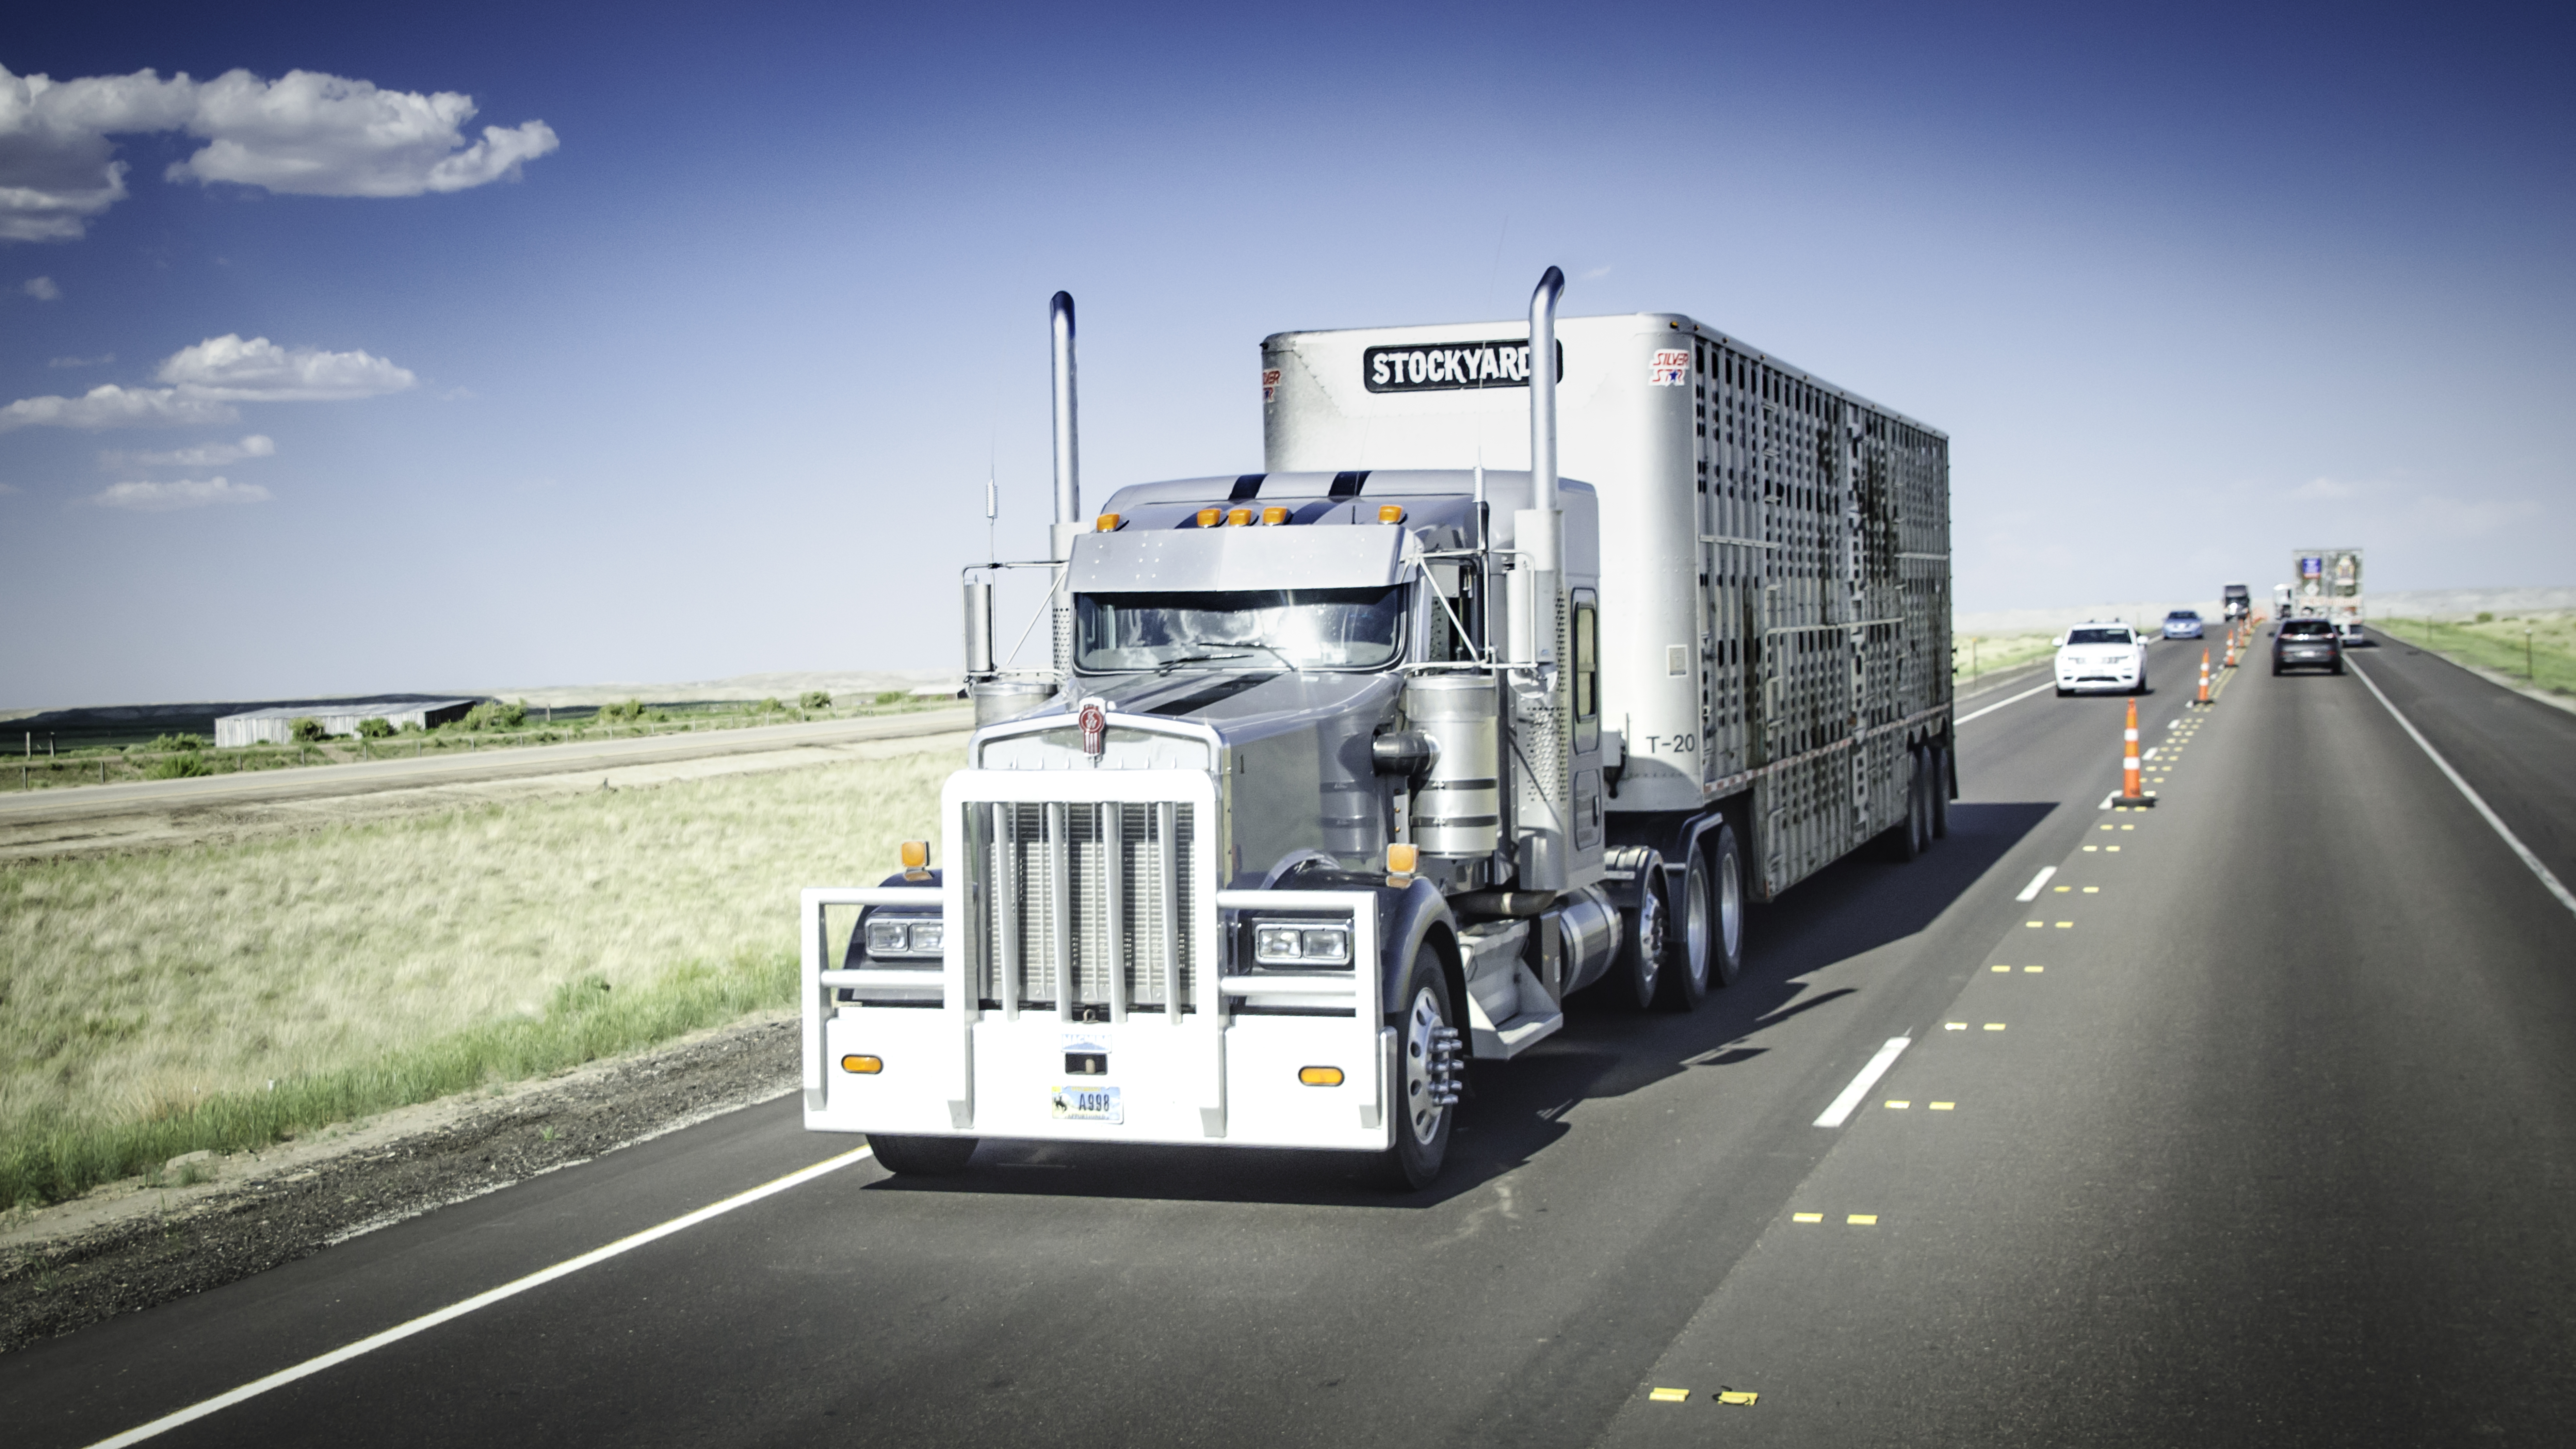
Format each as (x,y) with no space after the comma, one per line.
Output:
(1941,792)
(922,1156)
(1425,1087)
(1905,837)
(1709,951)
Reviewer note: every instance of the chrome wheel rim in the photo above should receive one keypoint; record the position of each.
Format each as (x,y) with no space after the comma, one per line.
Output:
(1651,942)
(1701,931)
(1421,1042)
(1730,906)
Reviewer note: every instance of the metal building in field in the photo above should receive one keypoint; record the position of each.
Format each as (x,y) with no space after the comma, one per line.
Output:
(339,717)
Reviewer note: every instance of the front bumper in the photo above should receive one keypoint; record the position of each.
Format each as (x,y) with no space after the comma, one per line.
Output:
(1218,1061)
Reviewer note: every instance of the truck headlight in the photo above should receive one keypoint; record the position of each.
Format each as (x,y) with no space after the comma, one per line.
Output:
(1281,944)
(896,937)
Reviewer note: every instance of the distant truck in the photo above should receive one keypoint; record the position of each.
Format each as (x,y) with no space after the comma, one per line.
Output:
(2236,601)
(1350,771)
(2329,587)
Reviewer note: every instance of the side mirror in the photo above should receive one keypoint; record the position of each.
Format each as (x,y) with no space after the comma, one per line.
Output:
(2057,643)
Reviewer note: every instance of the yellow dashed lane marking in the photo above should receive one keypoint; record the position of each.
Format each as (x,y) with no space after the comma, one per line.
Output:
(1862,1220)
(1735,1396)
(2034,925)
(1944,1106)
(1994,1026)
(2092,890)
(2034,969)
(1667,1396)
(1898,1106)
(2066,925)
(1954,1026)
(1806,1217)
(2000,968)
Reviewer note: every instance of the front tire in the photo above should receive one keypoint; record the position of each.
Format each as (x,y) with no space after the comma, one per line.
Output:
(1640,969)
(922,1156)
(1425,1105)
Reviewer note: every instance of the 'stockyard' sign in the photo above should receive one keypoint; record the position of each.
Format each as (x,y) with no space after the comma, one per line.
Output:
(1504,362)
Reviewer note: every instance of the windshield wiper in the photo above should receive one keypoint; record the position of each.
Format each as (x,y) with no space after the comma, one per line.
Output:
(1168,665)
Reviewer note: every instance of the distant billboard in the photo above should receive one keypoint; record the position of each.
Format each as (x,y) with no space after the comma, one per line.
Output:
(2327,573)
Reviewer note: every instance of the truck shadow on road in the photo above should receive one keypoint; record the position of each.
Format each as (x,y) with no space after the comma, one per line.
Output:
(1517,1110)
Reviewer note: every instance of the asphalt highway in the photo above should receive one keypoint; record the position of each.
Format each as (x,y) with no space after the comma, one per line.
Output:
(2255,1123)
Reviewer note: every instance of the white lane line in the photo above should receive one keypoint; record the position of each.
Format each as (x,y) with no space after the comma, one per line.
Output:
(1998,704)
(2556,887)
(1867,1079)
(2150,754)
(542,1276)
(2107,799)
(2030,892)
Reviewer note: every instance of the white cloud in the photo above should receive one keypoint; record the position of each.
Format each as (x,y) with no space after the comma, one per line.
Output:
(2326,490)
(102,360)
(110,406)
(204,455)
(185,493)
(205,379)
(305,133)
(41,288)
(261,371)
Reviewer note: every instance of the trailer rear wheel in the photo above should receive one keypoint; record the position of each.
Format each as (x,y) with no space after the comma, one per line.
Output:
(1425,1081)
(922,1156)
(1905,837)
(1709,949)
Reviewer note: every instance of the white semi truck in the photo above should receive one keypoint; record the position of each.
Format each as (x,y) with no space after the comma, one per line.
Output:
(2329,587)
(1348,772)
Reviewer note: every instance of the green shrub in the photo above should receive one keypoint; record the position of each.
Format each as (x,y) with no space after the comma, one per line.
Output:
(164,743)
(376,727)
(306,731)
(2485,617)
(769,706)
(891,696)
(493,714)
(178,767)
(814,699)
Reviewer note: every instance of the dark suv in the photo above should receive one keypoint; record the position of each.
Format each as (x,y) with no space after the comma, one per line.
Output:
(2307,644)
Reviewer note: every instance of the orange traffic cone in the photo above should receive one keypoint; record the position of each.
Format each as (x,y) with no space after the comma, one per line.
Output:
(2231,651)
(2203,700)
(2130,793)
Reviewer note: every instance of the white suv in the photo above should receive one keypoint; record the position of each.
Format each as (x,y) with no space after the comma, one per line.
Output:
(2106,657)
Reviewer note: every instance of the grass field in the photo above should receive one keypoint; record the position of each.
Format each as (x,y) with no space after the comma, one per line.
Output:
(2545,659)
(221,997)
(1972,657)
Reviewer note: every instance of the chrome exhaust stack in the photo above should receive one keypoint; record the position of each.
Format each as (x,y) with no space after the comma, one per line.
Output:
(1068,482)
(1542,800)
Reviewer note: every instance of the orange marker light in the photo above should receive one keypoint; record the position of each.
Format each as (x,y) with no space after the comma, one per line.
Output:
(864,1066)
(1274,516)
(1239,518)
(1389,513)
(1107,523)
(1320,1076)
(1208,517)
(916,855)
(1401,859)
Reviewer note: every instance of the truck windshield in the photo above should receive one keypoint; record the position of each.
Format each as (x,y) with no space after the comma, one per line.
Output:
(1249,629)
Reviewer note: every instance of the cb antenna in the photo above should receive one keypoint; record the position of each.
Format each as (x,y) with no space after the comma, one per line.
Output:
(992,504)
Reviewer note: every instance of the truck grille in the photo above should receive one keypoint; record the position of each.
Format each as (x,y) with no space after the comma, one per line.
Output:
(1083,908)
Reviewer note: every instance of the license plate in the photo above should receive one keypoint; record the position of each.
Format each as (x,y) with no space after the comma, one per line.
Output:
(1089,1104)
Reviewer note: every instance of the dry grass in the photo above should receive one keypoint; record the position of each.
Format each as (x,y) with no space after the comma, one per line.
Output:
(1972,657)
(2537,649)
(148,1004)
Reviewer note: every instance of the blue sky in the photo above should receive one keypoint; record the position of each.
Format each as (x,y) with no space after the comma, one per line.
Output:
(696,369)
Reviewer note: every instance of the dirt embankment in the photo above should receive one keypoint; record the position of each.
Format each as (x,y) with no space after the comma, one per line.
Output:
(131,1245)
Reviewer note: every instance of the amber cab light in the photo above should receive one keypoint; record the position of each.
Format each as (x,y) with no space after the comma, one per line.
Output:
(1209,517)
(1320,1076)
(1274,515)
(1401,859)
(864,1066)
(1390,513)
(1106,523)
(1238,518)
(916,855)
